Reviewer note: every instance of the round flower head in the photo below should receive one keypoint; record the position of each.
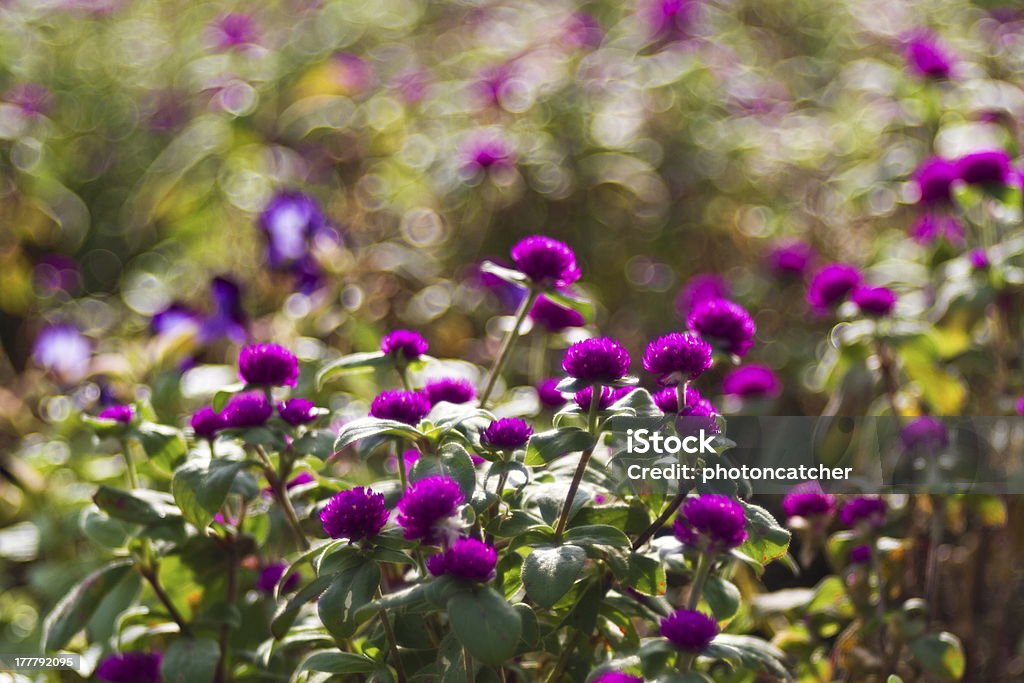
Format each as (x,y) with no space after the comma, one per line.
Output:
(863,510)
(130,667)
(711,522)
(860,554)
(617,677)
(725,323)
(206,422)
(427,505)
(599,360)
(677,357)
(934,226)
(450,389)
(297,411)
(924,433)
(689,630)
(927,57)
(831,285)
(701,288)
(790,259)
(468,559)
(979,259)
(403,406)
(248,409)
(668,399)
(988,167)
(608,396)
(876,302)
(507,434)
(268,365)
(404,344)
(356,514)
(696,416)
(751,381)
(549,395)
(934,180)
(118,413)
(808,500)
(271,575)
(555,318)
(547,262)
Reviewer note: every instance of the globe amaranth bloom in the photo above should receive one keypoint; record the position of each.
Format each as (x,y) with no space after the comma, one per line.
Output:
(118,412)
(876,302)
(206,422)
(991,167)
(928,57)
(356,514)
(697,413)
(936,225)
(831,285)
(450,389)
(268,365)
(863,510)
(468,559)
(271,575)
(546,261)
(617,677)
(599,360)
(297,411)
(701,288)
(427,506)
(689,630)
(979,259)
(724,323)
(555,318)
(404,344)
(130,667)
(608,396)
(549,395)
(247,409)
(751,381)
(711,522)
(934,180)
(485,151)
(507,433)
(677,357)
(808,500)
(924,433)
(668,398)
(403,406)
(790,259)
(860,554)
(63,350)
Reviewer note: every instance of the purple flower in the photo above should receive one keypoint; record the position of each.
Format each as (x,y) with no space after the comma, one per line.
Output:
(427,505)
(582,30)
(933,226)
(599,360)
(403,406)
(874,301)
(291,222)
(549,395)
(1020,406)
(988,167)
(300,479)
(485,151)
(677,357)
(356,514)
(228,319)
(32,99)
(698,413)
(669,19)
(863,511)
(751,381)
(608,396)
(555,318)
(64,351)
(726,324)
(468,559)
(271,575)
(404,344)
(701,288)
(831,285)
(934,180)
(617,677)
(130,667)
(247,409)
(206,422)
(232,30)
(297,411)
(507,434)
(450,389)
(547,262)
(712,523)
(268,365)
(689,630)
(979,259)
(927,57)
(175,319)
(790,259)
(118,413)
(808,500)
(924,433)
(860,554)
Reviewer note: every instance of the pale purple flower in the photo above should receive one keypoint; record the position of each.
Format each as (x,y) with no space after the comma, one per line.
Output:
(934,225)
(790,259)
(725,324)
(64,351)
(750,381)
(232,30)
(831,285)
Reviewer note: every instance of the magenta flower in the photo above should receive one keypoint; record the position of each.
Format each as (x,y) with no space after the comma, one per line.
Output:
(297,411)
(934,180)
(555,318)
(118,413)
(608,396)
(356,514)
(403,406)
(860,554)
(130,667)
(450,389)
(599,360)
(468,559)
(677,357)
(751,381)
(725,324)
(831,285)
(669,19)
(928,57)
(247,409)
(206,422)
(991,167)
(404,344)
(427,505)
(1020,406)
(790,259)
(876,302)
(711,523)
(232,30)
(924,433)
(863,511)
(507,434)
(933,226)
(689,630)
(701,288)
(549,395)
(668,399)
(808,500)
(547,262)
(271,575)
(617,677)
(268,365)
(485,151)
(697,414)
(979,259)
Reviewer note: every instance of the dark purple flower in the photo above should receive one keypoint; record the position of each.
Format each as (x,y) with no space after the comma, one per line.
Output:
(549,395)
(751,381)
(599,360)
(404,344)
(874,301)
(450,389)
(268,365)
(608,396)
(726,324)
(232,30)
(64,351)
(689,630)
(863,510)
(711,522)
(617,677)
(247,409)
(356,514)
(130,667)
(206,422)
(32,99)
(927,57)
(669,19)
(547,262)
(403,406)
(555,318)
(427,505)
(297,411)
(831,285)
(701,288)
(291,222)
(790,259)
(677,357)
(860,554)
(979,259)
(934,180)
(118,413)
(698,413)
(486,150)
(934,225)
(300,479)
(468,559)
(808,500)
(271,575)
(507,433)
(228,319)
(988,167)
(924,433)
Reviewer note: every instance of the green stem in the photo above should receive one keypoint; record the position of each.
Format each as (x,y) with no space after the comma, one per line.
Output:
(392,641)
(403,476)
(231,592)
(468,660)
(700,577)
(661,520)
(129,465)
(150,574)
(280,492)
(506,345)
(581,468)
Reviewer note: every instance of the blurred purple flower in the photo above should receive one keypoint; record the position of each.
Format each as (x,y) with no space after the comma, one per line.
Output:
(206,422)
(701,288)
(468,559)
(616,677)
(927,56)
(64,351)
(582,30)
(677,357)
(934,225)
(510,296)
(712,523)
(546,261)
(979,259)
(297,411)
(507,433)
(355,515)
(831,285)
(493,82)
(412,84)
(934,180)
(57,273)
(924,433)
(750,381)
(599,360)
(863,510)
(1020,406)
(669,19)
(228,319)
(608,396)
(549,395)
(118,413)
(292,222)
(271,575)
(450,389)
(426,506)
(247,409)
(404,344)
(991,167)
(689,630)
(808,500)
(402,406)
(725,324)
(876,302)
(553,317)
(232,30)
(790,259)
(130,667)
(33,100)
(350,73)
(486,150)
(268,365)
(860,554)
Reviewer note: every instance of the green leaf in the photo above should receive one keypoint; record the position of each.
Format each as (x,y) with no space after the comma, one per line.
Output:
(548,573)
(102,529)
(333,662)
(316,442)
(288,612)
(200,487)
(73,612)
(365,427)
(519,522)
(506,274)
(139,506)
(723,597)
(407,597)
(597,534)
(454,463)
(486,624)
(750,652)
(161,442)
(767,540)
(940,654)
(574,300)
(223,395)
(350,590)
(546,446)
(641,573)
(190,660)
(352,363)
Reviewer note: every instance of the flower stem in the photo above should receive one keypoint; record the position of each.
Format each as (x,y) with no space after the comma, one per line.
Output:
(281,494)
(661,520)
(231,592)
(581,468)
(392,642)
(149,573)
(403,477)
(700,577)
(129,465)
(507,344)
(468,660)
